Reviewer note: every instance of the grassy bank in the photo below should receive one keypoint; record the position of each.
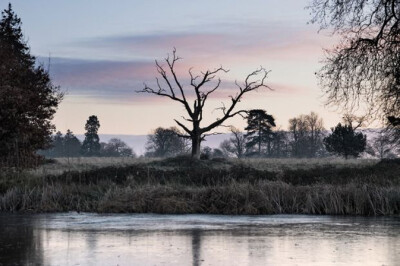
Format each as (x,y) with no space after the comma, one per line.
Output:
(178,185)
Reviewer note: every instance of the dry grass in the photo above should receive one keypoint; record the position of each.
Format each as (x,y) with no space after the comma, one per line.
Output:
(277,164)
(256,186)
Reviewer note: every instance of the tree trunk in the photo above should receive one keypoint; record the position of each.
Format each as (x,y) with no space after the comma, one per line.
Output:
(196,140)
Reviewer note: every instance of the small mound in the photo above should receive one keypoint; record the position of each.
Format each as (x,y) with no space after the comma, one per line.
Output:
(188,161)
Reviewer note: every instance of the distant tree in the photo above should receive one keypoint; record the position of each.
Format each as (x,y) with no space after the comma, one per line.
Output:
(116,148)
(259,131)
(28,99)
(235,145)
(344,141)
(91,144)
(307,135)
(174,90)
(299,130)
(383,145)
(315,128)
(165,142)
(56,147)
(72,145)
(280,144)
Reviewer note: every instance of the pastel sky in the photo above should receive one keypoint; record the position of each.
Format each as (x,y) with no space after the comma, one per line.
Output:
(102,51)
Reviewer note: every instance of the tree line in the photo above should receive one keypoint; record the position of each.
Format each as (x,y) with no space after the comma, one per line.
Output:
(364,67)
(70,146)
(306,137)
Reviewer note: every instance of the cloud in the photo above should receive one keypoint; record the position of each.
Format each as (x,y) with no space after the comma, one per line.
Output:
(241,47)
(221,42)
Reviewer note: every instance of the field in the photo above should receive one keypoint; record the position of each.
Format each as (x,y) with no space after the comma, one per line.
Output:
(220,186)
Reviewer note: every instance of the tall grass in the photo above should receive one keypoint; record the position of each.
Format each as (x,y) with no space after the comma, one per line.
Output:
(217,187)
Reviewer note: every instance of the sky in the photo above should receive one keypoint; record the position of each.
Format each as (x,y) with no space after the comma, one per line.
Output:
(101,53)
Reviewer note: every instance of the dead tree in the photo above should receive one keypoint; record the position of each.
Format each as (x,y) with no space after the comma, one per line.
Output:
(173,89)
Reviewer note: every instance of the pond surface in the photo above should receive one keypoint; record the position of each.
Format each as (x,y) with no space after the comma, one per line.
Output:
(148,239)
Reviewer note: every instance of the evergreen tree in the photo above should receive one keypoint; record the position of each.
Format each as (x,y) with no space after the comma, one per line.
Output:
(344,141)
(91,144)
(28,99)
(57,144)
(72,145)
(259,130)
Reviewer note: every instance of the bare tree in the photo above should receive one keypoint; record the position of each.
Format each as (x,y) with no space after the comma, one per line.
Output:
(364,68)
(173,89)
(383,146)
(235,145)
(307,134)
(316,128)
(354,121)
(165,142)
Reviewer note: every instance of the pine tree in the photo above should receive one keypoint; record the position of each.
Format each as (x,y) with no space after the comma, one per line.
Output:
(72,145)
(28,99)
(259,130)
(344,141)
(91,144)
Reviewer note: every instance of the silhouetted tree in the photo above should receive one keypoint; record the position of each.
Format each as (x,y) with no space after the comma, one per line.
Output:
(382,145)
(165,142)
(235,145)
(365,65)
(116,148)
(91,145)
(259,130)
(280,144)
(344,141)
(307,134)
(28,99)
(56,147)
(174,90)
(72,145)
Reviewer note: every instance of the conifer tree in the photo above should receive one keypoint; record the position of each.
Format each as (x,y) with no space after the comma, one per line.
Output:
(28,99)
(91,144)
(259,130)
(344,141)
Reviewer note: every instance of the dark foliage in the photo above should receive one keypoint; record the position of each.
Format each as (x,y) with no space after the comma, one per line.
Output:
(91,144)
(116,148)
(28,99)
(344,141)
(165,142)
(306,131)
(63,146)
(259,132)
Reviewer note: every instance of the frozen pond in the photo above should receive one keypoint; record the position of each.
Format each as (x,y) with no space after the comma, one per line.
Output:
(148,239)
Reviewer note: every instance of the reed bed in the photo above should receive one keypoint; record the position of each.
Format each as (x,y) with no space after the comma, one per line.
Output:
(176,186)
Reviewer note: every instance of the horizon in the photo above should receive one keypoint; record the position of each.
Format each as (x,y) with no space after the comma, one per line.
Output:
(103,55)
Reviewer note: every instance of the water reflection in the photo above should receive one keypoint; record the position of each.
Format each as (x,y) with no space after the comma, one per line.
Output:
(19,243)
(89,239)
(196,246)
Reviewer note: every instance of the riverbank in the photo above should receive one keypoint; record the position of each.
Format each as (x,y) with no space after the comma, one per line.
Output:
(179,185)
